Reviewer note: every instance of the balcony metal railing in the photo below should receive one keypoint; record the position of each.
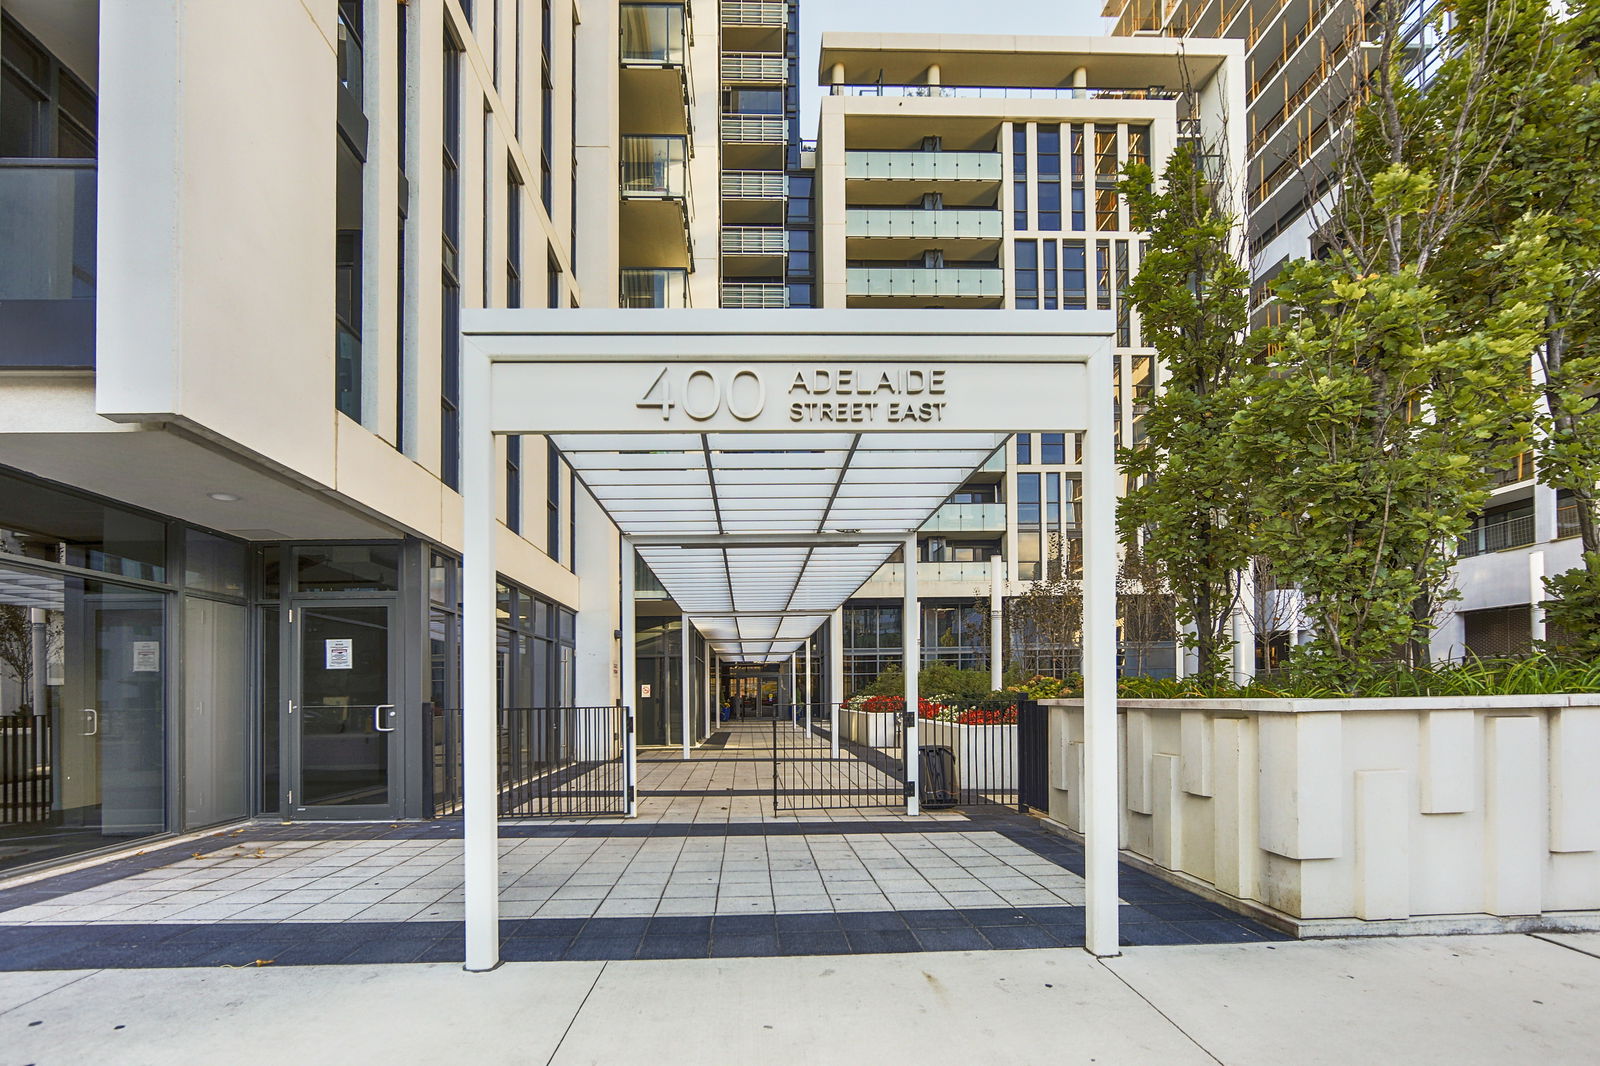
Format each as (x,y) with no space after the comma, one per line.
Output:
(47,262)
(967,518)
(654,35)
(754,13)
(1567,519)
(924,166)
(1497,533)
(754,185)
(754,66)
(924,281)
(655,168)
(754,129)
(754,240)
(1519,469)
(912,222)
(655,287)
(754,294)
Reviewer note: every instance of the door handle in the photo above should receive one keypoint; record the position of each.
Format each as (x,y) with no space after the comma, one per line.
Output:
(92,721)
(377,717)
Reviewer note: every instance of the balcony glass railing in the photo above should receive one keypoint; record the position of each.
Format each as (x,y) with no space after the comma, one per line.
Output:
(654,35)
(47,262)
(912,222)
(655,168)
(924,166)
(925,281)
(967,517)
(655,288)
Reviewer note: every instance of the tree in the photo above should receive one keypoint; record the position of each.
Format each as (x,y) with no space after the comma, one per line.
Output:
(1379,410)
(1188,506)
(1545,189)
(1044,625)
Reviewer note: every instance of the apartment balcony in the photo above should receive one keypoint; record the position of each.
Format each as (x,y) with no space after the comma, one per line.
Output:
(753,142)
(47,263)
(654,216)
(906,232)
(1497,533)
(654,288)
(910,286)
(967,518)
(654,83)
(754,25)
(897,179)
(755,294)
(891,577)
(753,251)
(754,196)
(760,68)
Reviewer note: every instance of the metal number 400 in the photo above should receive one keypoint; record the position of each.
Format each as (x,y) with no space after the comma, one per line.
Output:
(702,395)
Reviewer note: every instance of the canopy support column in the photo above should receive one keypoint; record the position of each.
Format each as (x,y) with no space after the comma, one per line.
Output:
(911,655)
(686,682)
(996,583)
(479,759)
(1100,669)
(835,676)
(626,661)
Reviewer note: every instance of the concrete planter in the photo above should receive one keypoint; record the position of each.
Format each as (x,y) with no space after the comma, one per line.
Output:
(1423,814)
(986,755)
(872,729)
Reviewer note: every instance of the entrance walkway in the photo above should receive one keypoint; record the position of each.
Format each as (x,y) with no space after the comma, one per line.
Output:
(707,869)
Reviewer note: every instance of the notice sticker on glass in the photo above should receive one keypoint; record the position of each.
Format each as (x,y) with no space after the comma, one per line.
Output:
(146,656)
(337,654)
(644,692)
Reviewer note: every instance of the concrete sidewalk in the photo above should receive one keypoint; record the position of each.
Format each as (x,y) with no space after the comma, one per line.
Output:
(1490,999)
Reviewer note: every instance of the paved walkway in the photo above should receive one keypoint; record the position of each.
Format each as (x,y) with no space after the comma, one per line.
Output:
(708,869)
(1456,1001)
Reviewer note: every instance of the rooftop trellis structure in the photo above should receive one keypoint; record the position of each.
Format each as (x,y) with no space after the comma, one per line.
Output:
(765,466)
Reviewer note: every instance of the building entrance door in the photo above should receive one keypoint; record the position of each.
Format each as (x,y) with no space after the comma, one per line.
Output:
(752,693)
(344,729)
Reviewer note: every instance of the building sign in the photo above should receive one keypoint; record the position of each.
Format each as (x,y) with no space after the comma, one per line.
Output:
(788,396)
(337,654)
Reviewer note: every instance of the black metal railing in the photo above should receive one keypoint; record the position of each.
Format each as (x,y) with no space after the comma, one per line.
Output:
(968,750)
(26,788)
(1033,756)
(553,762)
(869,770)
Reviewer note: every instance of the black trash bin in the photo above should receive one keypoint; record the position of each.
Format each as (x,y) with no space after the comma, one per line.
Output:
(936,777)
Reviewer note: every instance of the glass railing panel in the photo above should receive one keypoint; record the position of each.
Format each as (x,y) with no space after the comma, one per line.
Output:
(925,281)
(47,230)
(655,288)
(912,222)
(967,517)
(655,167)
(924,166)
(653,35)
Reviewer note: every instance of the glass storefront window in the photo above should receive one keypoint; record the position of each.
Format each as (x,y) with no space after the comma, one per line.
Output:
(83,668)
(212,564)
(39,522)
(348,568)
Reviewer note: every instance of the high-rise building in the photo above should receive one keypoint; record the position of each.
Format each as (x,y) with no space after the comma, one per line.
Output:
(983,174)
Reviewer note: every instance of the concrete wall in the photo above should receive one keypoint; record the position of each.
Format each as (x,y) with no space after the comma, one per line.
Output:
(1359,809)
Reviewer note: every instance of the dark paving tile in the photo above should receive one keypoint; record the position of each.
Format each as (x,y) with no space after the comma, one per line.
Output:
(683,924)
(603,947)
(443,951)
(986,916)
(964,938)
(943,918)
(1019,936)
(674,946)
(1156,933)
(1222,931)
(743,945)
(883,921)
(634,927)
(880,941)
(822,921)
(389,949)
(534,948)
(813,942)
(744,925)
(567,927)
(1187,911)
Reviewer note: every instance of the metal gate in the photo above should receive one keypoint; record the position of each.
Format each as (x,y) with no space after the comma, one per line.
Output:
(1033,756)
(554,762)
(868,772)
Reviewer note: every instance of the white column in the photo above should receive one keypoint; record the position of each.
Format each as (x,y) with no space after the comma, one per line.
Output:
(625,669)
(997,579)
(835,676)
(685,683)
(809,693)
(911,655)
(1536,594)
(479,759)
(711,687)
(1100,666)
(1244,630)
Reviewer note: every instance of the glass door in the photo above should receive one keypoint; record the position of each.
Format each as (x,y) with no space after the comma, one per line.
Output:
(344,726)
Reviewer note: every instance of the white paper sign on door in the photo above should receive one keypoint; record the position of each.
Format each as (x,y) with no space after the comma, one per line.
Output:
(146,656)
(644,692)
(337,653)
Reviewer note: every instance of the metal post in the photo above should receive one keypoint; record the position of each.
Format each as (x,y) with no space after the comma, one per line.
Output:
(1100,666)
(835,676)
(996,584)
(685,678)
(630,683)
(911,655)
(479,762)
(808,685)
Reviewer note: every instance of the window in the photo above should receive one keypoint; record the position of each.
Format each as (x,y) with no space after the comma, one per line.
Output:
(1074,292)
(1050,299)
(547,92)
(349,212)
(1024,449)
(553,501)
(402,363)
(1105,177)
(1049,175)
(1053,449)
(45,111)
(1124,305)
(553,283)
(1030,540)
(514,484)
(450,294)
(513,236)
(1019,177)
(1076,170)
(1027,274)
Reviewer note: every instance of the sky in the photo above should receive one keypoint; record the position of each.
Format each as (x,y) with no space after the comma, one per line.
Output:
(931,16)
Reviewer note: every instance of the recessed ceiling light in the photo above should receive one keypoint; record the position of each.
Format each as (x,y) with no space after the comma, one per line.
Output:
(223,497)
